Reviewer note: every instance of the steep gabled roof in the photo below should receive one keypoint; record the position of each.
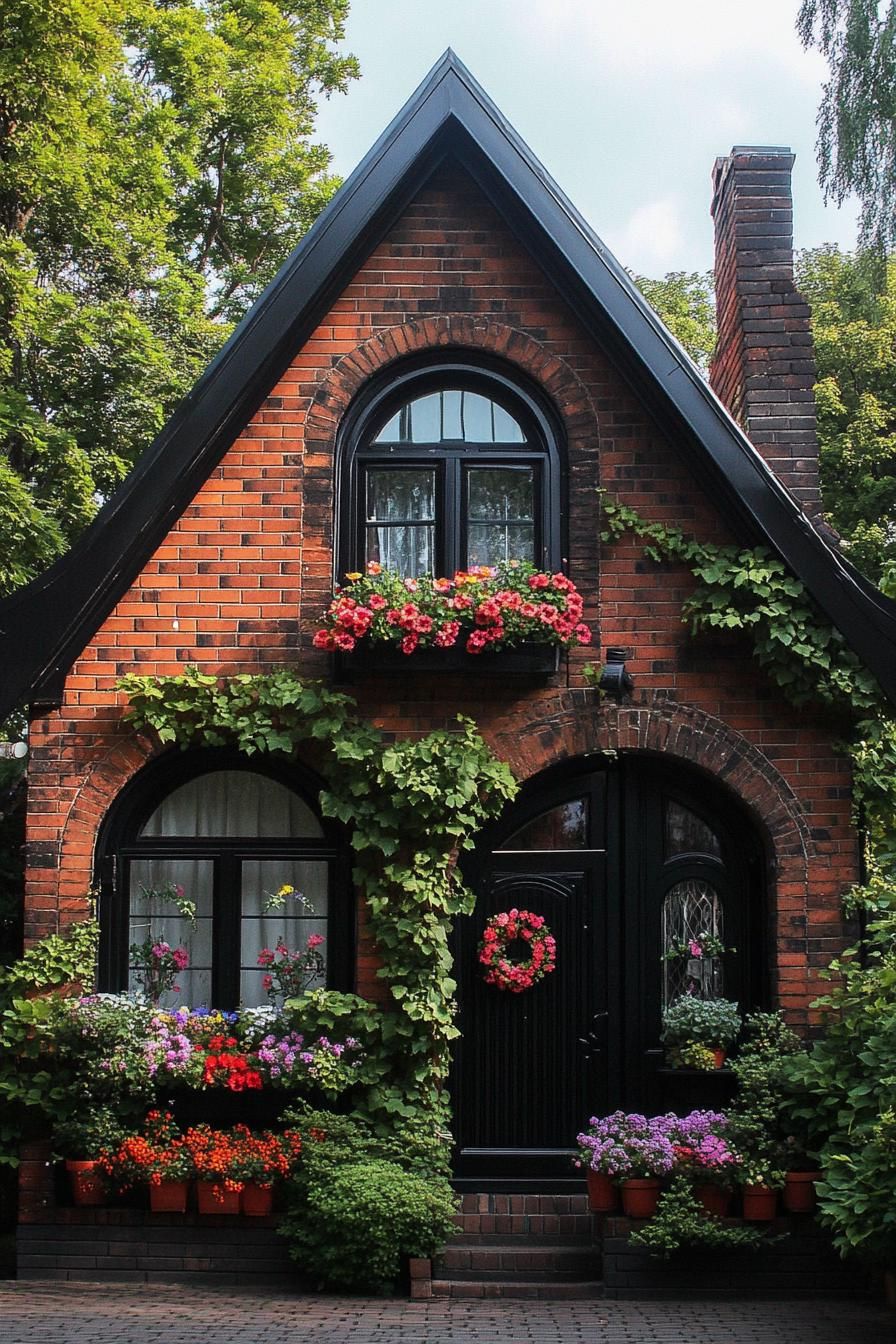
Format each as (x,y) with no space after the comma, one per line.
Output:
(44,626)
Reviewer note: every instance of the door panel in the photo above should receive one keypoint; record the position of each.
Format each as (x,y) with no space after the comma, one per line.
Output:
(534,1053)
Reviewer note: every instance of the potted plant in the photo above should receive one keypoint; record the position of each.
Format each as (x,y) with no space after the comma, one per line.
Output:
(260,1159)
(707,1159)
(157,1157)
(636,1152)
(697,1032)
(760,1183)
(81,1141)
(216,1159)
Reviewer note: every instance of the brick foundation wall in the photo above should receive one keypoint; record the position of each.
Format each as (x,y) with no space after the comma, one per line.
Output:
(241,581)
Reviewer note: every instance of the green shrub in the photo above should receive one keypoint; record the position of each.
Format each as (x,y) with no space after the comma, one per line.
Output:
(356,1227)
(681,1221)
(711,1022)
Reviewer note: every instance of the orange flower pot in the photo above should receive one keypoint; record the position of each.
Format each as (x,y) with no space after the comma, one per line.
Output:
(714,1199)
(169,1197)
(640,1197)
(799,1191)
(760,1203)
(86,1183)
(603,1196)
(257,1200)
(719,1057)
(214,1197)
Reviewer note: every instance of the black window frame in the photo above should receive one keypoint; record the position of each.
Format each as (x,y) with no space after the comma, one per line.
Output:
(120,842)
(542,449)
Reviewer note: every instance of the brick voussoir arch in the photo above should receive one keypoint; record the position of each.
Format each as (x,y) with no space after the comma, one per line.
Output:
(342,383)
(657,724)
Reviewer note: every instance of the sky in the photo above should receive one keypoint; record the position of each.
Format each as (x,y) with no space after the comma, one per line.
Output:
(627,103)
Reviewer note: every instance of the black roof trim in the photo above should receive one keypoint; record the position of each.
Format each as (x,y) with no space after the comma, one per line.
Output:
(44,626)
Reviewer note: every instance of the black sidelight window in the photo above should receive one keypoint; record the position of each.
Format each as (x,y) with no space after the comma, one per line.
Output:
(447,469)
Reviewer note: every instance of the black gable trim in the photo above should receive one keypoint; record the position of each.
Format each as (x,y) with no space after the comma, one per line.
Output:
(45,626)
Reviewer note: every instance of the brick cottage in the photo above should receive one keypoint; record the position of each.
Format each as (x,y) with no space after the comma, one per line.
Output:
(450,334)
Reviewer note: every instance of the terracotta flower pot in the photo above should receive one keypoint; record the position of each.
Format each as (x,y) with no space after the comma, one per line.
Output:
(214,1197)
(799,1191)
(603,1196)
(719,1056)
(257,1200)
(640,1196)
(169,1197)
(86,1183)
(714,1199)
(760,1203)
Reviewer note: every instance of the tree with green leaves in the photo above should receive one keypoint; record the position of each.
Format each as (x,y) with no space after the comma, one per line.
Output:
(857,117)
(156,168)
(685,300)
(854,326)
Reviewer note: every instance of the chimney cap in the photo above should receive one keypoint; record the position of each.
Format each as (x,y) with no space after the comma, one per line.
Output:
(761,149)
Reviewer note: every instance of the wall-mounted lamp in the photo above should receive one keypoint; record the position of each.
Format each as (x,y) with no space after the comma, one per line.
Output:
(614,680)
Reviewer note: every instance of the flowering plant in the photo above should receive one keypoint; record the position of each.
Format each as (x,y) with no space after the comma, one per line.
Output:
(288,973)
(709,1160)
(696,948)
(506,928)
(481,609)
(158,1154)
(156,966)
(263,1157)
(628,1145)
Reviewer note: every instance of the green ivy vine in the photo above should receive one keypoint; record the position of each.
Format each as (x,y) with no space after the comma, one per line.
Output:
(411,808)
(753,591)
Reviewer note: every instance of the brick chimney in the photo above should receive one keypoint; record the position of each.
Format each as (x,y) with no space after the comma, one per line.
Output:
(764,366)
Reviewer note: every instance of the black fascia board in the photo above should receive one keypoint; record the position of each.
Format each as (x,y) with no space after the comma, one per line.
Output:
(50,621)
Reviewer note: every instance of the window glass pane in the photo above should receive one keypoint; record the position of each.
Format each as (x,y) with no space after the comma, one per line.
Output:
(450,416)
(400,532)
(233,802)
(400,496)
(686,833)
(154,916)
(292,921)
(500,512)
(692,912)
(562,827)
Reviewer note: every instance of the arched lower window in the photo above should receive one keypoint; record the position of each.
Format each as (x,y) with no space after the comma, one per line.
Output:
(449,467)
(231,836)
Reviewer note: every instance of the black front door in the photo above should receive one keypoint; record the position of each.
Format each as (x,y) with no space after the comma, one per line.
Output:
(623,862)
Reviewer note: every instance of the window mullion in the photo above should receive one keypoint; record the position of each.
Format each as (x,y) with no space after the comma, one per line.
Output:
(226,931)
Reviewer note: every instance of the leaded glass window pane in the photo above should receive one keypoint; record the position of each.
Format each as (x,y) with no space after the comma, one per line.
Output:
(686,833)
(692,910)
(562,827)
(500,515)
(400,519)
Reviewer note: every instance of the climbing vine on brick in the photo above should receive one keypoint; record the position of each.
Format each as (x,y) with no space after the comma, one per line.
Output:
(754,592)
(411,808)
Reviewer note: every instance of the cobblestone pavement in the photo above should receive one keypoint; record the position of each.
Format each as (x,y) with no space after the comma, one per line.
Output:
(80,1313)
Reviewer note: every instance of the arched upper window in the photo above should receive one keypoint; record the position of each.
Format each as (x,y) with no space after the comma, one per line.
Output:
(450,467)
(230,834)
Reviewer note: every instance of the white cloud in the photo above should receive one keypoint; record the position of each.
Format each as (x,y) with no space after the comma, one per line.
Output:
(654,234)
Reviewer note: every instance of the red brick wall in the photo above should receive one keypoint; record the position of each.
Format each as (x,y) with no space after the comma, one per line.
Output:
(247,570)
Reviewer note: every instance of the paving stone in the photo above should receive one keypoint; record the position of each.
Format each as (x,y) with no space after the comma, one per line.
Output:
(182,1313)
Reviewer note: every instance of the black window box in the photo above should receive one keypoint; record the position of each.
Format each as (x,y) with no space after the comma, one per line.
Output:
(522,661)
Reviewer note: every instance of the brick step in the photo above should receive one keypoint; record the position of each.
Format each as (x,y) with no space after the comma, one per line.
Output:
(578,1291)
(499,1261)
(561,1226)
(521,1239)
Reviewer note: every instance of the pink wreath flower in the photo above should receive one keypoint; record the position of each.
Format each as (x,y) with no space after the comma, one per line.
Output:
(506,928)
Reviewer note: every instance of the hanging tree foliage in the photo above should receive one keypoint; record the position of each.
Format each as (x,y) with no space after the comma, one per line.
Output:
(156,167)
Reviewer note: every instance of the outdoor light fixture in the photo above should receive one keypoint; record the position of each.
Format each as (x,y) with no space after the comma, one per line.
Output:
(614,680)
